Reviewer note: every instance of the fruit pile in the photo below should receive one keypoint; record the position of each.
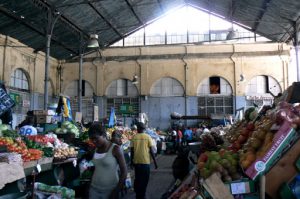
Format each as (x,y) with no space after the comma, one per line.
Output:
(32,154)
(224,163)
(258,143)
(18,146)
(64,153)
(240,134)
(208,142)
(41,139)
(127,134)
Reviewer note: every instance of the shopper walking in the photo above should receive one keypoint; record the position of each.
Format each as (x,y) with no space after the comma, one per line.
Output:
(179,138)
(108,159)
(188,135)
(141,149)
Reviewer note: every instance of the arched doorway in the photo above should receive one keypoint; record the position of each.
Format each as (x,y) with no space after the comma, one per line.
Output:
(123,96)
(166,97)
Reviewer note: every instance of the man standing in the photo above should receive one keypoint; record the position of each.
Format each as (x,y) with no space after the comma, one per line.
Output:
(141,149)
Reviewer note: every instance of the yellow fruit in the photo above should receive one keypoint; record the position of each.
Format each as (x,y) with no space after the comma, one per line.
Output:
(245,164)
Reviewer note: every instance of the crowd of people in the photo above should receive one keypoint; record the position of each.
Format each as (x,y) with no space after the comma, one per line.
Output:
(182,136)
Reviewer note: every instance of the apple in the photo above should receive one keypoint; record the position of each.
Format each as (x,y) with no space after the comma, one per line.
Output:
(203,157)
(242,139)
(236,145)
(250,126)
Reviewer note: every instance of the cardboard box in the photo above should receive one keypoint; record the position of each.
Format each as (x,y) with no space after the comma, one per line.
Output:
(40,112)
(287,165)
(43,119)
(43,112)
(281,141)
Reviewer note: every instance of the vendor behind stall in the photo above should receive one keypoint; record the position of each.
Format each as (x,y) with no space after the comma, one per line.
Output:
(27,127)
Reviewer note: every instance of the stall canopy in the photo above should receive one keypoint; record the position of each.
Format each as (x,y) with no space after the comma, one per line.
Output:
(112,20)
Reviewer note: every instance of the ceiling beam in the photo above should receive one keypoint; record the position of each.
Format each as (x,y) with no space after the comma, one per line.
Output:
(161,6)
(232,9)
(62,17)
(290,30)
(31,27)
(63,5)
(107,22)
(261,14)
(134,13)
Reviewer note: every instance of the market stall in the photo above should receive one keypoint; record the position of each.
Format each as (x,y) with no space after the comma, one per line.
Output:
(250,161)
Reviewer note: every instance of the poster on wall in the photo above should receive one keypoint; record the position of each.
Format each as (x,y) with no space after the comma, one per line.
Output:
(5,101)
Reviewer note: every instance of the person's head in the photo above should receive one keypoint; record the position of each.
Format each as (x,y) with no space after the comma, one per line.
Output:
(97,134)
(134,128)
(116,137)
(157,130)
(30,120)
(141,127)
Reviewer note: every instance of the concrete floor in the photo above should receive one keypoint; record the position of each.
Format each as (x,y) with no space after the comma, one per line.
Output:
(160,179)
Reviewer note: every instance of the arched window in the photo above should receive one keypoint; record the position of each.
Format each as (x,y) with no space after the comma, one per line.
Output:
(121,87)
(166,87)
(215,97)
(19,80)
(122,94)
(261,89)
(72,89)
(19,90)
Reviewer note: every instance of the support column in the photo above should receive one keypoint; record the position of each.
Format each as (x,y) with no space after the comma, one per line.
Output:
(296,50)
(52,18)
(2,70)
(47,71)
(80,83)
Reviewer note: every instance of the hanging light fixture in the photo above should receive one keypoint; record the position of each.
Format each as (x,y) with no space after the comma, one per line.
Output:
(93,41)
(135,79)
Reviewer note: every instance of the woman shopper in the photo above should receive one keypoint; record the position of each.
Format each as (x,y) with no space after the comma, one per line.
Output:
(108,158)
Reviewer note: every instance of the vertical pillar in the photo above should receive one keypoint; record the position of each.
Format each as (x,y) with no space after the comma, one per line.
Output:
(47,71)
(297,54)
(80,83)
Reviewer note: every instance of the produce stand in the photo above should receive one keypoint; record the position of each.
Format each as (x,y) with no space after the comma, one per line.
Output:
(260,155)
(44,157)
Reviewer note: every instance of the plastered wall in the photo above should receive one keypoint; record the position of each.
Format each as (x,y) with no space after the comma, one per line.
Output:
(14,55)
(189,64)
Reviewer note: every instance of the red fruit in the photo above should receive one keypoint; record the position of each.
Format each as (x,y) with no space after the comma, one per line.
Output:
(242,139)
(237,145)
(245,132)
(250,126)
(203,157)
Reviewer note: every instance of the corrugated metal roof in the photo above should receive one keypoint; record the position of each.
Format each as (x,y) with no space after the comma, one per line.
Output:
(112,20)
